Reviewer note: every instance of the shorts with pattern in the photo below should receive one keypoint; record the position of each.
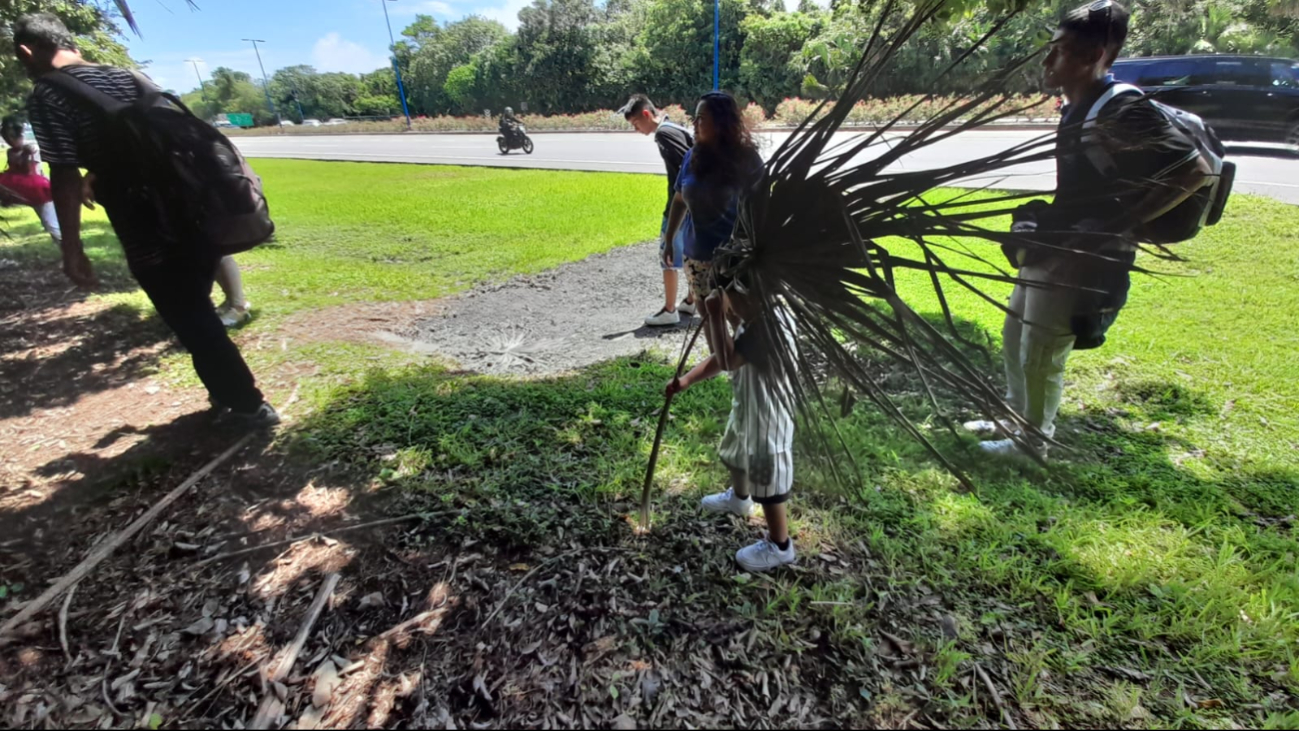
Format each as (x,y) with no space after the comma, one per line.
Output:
(700,276)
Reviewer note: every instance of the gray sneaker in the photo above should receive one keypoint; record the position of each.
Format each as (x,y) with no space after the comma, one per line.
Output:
(265,417)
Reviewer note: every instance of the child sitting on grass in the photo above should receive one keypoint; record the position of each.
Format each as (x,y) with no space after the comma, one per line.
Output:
(758,444)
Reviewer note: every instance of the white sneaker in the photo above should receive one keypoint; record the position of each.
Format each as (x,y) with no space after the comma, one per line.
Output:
(1007,449)
(985,428)
(232,316)
(764,556)
(687,308)
(663,319)
(727,502)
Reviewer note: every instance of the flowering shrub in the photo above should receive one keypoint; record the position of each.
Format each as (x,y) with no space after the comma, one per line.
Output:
(789,113)
(677,114)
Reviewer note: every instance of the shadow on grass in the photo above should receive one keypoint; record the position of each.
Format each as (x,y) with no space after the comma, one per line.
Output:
(53,353)
(1126,543)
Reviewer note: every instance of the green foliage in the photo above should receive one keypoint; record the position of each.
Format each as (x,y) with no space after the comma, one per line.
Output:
(434,51)
(230,91)
(94,25)
(579,55)
(459,88)
(771,62)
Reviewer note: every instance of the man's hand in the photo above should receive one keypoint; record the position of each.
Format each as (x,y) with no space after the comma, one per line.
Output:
(88,191)
(77,266)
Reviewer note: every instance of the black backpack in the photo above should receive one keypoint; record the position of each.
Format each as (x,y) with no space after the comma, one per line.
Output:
(1202,208)
(177,168)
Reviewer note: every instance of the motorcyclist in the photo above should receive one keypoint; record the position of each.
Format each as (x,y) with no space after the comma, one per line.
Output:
(509,125)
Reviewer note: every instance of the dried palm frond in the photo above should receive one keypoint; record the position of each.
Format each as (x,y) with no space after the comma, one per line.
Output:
(813,237)
(124,8)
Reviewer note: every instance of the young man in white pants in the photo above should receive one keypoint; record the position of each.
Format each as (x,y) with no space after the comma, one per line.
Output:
(1067,299)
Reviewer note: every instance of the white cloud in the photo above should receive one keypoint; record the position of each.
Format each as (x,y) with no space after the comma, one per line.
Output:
(335,53)
(507,14)
(427,7)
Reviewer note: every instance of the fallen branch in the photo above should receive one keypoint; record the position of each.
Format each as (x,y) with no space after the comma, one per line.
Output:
(272,707)
(540,566)
(515,588)
(658,435)
(63,622)
(112,544)
(996,697)
(286,541)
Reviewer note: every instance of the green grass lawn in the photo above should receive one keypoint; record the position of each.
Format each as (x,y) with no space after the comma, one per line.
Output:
(360,232)
(1151,565)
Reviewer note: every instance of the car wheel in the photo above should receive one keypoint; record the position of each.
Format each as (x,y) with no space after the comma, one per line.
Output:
(1292,135)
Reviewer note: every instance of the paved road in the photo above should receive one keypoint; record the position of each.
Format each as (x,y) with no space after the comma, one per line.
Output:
(613,152)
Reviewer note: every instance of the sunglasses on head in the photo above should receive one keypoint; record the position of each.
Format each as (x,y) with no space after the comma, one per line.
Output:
(1102,11)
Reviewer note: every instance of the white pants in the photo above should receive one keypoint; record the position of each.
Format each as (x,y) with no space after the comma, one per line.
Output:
(50,220)
(1036,342)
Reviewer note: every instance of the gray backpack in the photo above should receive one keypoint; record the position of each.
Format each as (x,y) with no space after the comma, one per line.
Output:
(1205,206)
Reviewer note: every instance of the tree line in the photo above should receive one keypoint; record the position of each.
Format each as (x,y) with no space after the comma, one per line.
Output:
(570,56)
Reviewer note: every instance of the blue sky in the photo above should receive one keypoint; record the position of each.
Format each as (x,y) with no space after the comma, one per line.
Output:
(332,35)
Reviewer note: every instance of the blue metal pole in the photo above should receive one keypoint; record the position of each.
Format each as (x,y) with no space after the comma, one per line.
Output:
(717,44)
(401,91)
(396,69)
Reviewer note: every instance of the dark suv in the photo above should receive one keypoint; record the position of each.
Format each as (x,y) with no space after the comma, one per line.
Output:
(1242,97)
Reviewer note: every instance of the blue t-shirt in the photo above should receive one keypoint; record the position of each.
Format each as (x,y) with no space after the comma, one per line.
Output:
(712,209)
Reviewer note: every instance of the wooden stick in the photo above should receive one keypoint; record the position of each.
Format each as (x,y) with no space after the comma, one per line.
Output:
(344,529)
(658,436)
(996,697)
(271,707)
(63,622)
(112,544)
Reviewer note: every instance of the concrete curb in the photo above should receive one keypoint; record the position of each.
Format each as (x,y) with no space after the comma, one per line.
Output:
(1004,127)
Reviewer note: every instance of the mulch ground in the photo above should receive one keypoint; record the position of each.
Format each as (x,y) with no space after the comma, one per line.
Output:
(443,620)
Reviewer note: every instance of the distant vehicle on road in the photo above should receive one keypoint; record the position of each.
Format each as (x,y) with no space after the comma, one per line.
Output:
(287,123)
(311,123)
(224,124)
(516,138)
(1254,98)
(335,122)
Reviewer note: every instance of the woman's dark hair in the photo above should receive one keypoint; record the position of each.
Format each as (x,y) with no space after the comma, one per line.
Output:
(11,126)
(726,159)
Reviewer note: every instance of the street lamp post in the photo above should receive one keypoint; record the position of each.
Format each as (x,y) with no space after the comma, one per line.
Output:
(717,44)
(266,83)
(396,68)
(202,85)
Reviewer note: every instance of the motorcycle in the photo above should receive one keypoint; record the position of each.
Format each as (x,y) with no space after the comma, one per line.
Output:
(516,139)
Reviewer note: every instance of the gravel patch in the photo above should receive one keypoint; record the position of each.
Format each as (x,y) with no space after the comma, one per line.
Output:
(558,320)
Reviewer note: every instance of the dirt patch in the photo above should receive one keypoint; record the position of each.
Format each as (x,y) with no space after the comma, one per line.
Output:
(359,322)
(561,319)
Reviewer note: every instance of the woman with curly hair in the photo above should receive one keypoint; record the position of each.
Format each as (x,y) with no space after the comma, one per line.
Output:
(722,165)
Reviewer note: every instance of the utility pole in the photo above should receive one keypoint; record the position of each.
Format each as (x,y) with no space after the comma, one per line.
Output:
(396,67)
(266,83)
(202,85)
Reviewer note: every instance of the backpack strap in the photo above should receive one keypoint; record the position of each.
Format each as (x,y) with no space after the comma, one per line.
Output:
(1100,158)
(79,89)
